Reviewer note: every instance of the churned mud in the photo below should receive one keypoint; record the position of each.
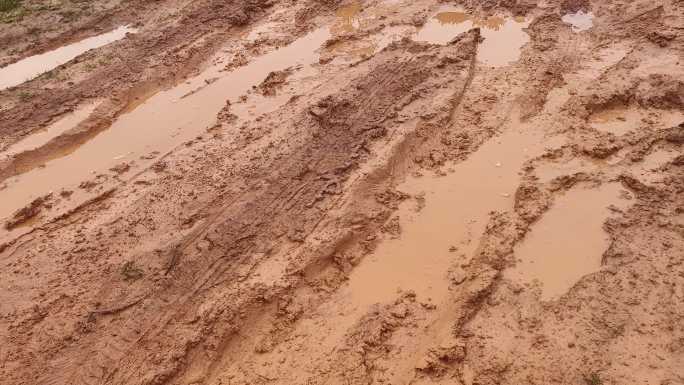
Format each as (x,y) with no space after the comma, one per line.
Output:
(342,192)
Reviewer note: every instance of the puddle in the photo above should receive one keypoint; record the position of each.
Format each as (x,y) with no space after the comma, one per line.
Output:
(163,121)
(31,67)
(618,121)
(621,119)
(503,36)
(59,127)
(580,21)
(455,215)
(551,253)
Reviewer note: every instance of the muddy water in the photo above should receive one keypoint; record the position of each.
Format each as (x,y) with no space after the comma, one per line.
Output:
(580,21)
(503,36)
(442,235)
(454,215)
(34,141)
(160,123)
(29,68)
(568,241)
(621,119)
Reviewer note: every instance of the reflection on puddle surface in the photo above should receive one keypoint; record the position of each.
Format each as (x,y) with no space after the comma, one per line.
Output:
(580,21)
(552,252)
(160,123)
(61,126)
(503,36)
(347,19)
(29,68)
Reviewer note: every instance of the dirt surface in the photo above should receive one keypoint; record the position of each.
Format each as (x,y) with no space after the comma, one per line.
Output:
(342,192)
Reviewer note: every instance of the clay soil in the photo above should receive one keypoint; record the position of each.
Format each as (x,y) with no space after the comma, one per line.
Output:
(344,192)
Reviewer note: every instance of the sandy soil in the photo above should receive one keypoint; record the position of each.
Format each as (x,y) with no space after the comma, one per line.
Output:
(344,192)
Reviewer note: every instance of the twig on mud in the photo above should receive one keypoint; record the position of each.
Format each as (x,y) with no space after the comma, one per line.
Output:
(261,376)
(118,308)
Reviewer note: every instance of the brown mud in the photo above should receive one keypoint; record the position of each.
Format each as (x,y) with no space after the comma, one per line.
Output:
(343,192)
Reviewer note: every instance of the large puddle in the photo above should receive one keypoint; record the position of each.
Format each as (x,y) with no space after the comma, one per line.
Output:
(160,123)
(503,36)
(29,68)
(444,233)
(568,241)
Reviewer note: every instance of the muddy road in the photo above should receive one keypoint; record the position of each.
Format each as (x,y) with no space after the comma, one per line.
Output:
(342,192)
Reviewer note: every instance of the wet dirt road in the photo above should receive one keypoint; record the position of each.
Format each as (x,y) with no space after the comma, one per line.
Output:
(342,192)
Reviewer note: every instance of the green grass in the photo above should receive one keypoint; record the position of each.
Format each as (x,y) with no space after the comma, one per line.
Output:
(9,5)
(131,272)
(11,11)
(24,96)
(593,378)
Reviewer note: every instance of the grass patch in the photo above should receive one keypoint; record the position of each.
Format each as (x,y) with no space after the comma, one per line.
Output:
(24,96)
(11,11)
(9,5)
(593,378)
(130,272)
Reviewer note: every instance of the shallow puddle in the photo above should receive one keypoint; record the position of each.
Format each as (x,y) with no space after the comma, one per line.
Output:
(504,37)
(580,21)
(551,252)
(29,68)
(620,119)
(42,137)
(160,123)
(444,233)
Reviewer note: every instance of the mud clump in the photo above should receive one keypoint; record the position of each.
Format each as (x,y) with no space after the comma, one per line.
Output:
(573,6)
(28,212)
(274,81)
